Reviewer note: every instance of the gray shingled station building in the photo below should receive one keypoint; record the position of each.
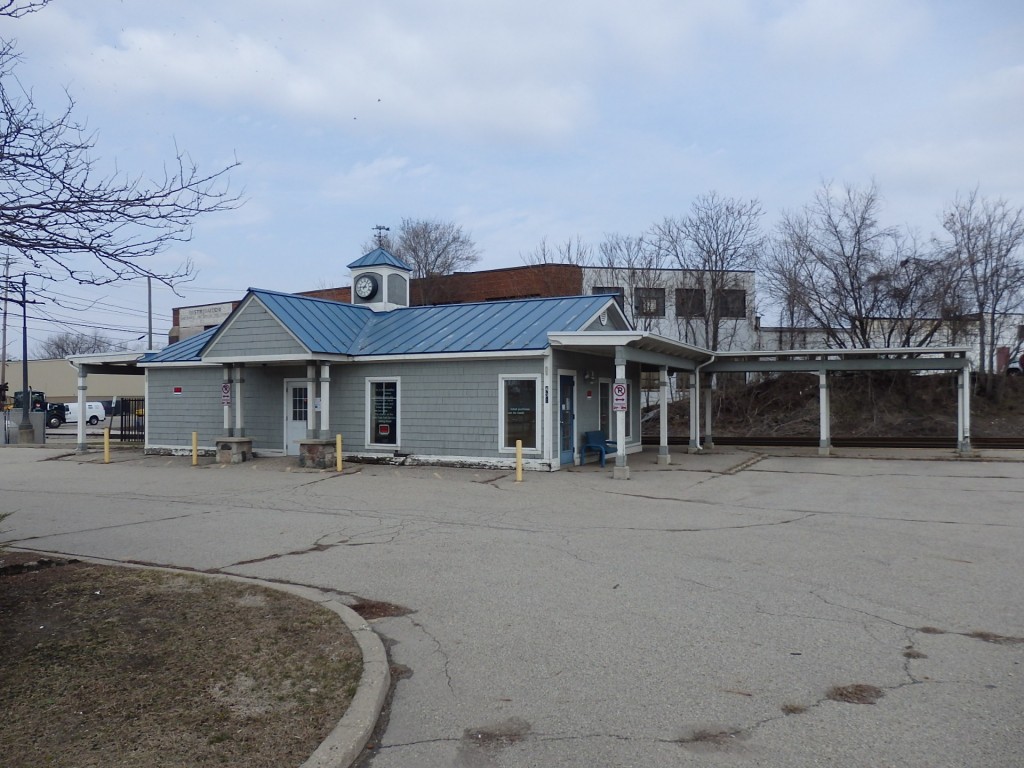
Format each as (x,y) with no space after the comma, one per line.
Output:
(455,384)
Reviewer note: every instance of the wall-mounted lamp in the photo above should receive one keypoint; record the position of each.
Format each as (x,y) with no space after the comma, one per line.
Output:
(588,376)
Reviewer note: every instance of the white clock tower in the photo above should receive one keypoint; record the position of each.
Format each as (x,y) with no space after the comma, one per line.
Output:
(380,280)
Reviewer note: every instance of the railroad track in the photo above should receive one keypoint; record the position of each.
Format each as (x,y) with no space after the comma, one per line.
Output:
(1005,443)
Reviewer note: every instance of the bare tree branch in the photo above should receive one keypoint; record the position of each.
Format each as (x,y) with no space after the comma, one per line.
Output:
(68,219)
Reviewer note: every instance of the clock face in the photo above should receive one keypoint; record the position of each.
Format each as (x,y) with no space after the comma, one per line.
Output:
(366,286)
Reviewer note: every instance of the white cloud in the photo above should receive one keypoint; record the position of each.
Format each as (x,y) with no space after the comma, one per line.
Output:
(865,32)
(378,177)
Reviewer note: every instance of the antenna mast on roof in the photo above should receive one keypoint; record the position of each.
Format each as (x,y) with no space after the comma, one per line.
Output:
(380,229)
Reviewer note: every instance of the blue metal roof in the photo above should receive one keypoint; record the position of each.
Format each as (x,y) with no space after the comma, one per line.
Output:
(330,327)
(377,258)
(493,326)
(334,328)
(186,350)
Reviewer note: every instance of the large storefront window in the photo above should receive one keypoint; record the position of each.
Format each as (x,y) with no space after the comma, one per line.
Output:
(520,411)
(383,417)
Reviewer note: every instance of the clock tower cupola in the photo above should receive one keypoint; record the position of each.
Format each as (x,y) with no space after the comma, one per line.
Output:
(380,280)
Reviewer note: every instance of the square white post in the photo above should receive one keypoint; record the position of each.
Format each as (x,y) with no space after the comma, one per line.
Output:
(237,395)
(963,416)
(325,401)
(621,469)
(824,415)
(311,414)
(82,415)
(709,441)
(664,457)
(228,430)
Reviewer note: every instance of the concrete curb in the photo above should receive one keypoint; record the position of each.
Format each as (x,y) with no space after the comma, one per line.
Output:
(345,743)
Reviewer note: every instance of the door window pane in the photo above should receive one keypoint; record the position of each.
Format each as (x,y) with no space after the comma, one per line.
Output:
(300,404)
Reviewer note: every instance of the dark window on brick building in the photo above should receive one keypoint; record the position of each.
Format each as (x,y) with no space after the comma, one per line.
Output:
(690,302)
(649,302)
(732,302)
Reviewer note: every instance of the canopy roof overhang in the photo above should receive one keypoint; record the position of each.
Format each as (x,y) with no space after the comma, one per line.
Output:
(117,363)
(633,346)
(815,360)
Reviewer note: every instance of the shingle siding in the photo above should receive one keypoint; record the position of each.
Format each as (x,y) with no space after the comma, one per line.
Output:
(446,408)
(255,332)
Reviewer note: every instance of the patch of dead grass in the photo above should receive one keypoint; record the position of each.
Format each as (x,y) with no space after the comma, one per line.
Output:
(116,666)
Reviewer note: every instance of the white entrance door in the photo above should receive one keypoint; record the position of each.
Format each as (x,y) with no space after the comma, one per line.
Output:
(296,414)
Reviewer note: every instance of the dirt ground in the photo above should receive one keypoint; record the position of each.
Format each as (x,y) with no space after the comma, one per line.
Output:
(883,404)
(108,666)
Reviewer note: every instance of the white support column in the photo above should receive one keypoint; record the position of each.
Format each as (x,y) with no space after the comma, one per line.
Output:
(694,446)
(824,415)
(82,415)
(963,416)
(664,458)
(311,414)
(237,395)
(228,431)
(621,470)
(709,441)
(325,401)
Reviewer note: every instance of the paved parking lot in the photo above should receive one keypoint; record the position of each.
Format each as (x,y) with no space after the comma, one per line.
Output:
(695,615)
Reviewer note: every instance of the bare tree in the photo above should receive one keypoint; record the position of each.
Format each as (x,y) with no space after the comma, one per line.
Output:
(629,261)
(864,285)
(573,251)
(63,345)
(987,243)
(15,9)
(70,220)
(719,239)
(433,247)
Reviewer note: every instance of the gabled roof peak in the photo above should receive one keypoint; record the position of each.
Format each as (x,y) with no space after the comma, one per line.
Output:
(380,257)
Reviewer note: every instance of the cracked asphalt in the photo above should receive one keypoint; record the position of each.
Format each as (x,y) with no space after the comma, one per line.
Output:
(695,615)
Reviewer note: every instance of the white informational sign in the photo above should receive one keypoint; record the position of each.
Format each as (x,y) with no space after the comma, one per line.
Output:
(199,317)
(619,396)
(225,393)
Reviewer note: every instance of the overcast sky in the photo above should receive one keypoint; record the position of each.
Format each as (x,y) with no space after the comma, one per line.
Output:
(519,120)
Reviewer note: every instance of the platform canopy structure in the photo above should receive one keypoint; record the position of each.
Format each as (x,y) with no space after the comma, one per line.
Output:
(824,362)
(114,363)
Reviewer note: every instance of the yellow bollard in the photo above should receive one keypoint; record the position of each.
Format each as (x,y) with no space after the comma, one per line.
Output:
(337,452)
(106,445)
(519,461)
(195,449)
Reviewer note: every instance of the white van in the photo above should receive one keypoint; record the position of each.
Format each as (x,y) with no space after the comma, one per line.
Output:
(94,413)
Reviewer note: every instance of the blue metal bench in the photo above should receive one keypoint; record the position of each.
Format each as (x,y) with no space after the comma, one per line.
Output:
(597,442)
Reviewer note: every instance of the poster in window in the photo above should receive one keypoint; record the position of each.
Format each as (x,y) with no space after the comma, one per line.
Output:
(521,412)
(384,413)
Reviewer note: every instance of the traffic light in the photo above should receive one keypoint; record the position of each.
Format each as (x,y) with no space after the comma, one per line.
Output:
(3,392)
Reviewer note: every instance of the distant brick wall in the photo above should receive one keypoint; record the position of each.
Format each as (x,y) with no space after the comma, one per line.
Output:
(497,284)
(491,285)
(343,295)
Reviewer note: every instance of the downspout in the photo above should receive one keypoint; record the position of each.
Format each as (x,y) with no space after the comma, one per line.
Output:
(696,395)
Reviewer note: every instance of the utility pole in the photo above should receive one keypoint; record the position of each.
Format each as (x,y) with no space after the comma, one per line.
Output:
(3,344)
(25,432)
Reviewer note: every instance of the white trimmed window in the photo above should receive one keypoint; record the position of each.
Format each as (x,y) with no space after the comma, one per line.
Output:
(519,405)
(383,412)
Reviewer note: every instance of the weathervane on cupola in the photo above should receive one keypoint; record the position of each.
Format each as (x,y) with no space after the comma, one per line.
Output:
(380,280)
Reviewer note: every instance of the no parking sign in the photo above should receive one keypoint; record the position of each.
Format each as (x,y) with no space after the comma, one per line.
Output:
(619,398)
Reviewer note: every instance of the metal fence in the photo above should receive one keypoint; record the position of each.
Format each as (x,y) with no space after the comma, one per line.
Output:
(132,412)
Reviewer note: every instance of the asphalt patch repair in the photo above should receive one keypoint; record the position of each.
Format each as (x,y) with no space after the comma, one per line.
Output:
(109,665)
